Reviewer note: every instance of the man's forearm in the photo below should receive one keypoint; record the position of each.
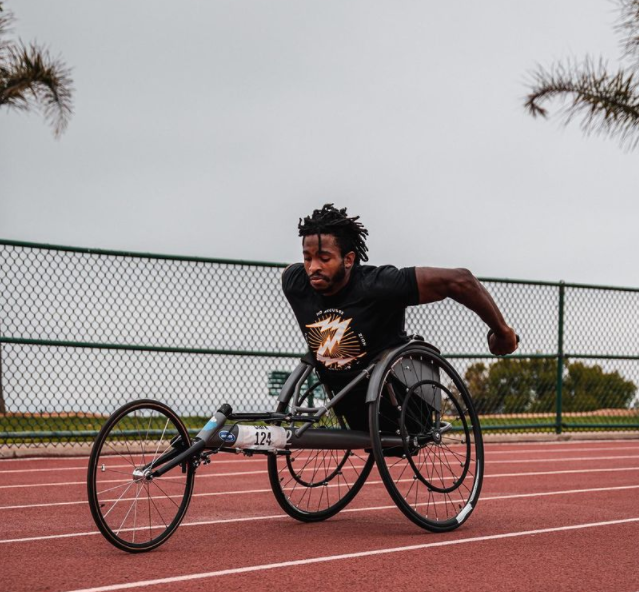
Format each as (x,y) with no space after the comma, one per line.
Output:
(462,286)
(472,294)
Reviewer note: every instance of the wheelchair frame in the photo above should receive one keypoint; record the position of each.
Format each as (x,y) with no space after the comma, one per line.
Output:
(414,365)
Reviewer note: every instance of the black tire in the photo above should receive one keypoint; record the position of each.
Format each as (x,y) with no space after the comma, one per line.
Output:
(313,485)
(435,475)
(133,513)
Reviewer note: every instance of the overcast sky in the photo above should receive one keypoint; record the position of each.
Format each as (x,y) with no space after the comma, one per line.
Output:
(209,128)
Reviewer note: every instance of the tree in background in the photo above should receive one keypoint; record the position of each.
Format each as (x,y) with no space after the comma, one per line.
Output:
(530,386)
(30,78)
(587,388)
(607,101)
(513,385)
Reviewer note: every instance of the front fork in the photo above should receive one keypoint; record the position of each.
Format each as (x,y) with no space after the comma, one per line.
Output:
(177,456)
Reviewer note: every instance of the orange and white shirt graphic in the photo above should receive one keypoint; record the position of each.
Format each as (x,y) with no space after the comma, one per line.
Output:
(334,342)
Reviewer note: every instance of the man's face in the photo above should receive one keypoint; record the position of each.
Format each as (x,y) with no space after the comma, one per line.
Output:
(327,270)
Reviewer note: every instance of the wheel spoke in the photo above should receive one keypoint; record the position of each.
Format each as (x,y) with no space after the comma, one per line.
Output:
(133,504)
(166,495)
(129,485)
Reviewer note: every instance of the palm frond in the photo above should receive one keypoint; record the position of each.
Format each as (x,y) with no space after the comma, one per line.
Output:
(6,21)
(628,27)
(607,103)
(31,78)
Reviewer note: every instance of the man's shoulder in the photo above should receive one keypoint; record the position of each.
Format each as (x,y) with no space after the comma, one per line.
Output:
(380,273)
(389,282)
(294,279)
(293,268)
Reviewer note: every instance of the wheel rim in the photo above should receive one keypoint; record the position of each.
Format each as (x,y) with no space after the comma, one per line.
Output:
(133,512)
(435,477)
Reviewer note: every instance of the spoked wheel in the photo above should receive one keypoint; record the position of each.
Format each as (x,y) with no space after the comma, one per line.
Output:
(435,475)
(313,485)
(135,513)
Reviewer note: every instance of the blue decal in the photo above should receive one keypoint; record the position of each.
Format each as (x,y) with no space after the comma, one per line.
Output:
(211,425)
(227,437)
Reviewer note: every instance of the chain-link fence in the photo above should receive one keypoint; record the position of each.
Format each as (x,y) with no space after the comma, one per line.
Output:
(83,331)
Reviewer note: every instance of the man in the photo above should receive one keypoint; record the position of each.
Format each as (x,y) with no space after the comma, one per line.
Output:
(350,312)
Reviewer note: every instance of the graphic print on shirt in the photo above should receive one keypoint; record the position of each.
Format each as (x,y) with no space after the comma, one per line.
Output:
(334,342)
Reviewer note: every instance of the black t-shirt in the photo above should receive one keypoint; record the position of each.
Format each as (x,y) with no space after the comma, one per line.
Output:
(347,330)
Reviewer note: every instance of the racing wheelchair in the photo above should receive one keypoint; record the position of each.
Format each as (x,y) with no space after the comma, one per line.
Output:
(424,438)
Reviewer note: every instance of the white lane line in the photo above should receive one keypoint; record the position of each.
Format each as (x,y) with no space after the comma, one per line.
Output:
(566,472)
(130,499)
(356,555)
(489,447)
(232,474)
(556,460)
(367,484)
(568,443)
(241,473)
(219,462)
(85,467)
(346,511)
(200,476)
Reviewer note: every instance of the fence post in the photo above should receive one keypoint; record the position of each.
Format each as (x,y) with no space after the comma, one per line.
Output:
(560,358)
(3,408)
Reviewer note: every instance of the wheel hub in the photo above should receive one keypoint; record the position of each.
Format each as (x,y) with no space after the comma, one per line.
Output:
(143,474)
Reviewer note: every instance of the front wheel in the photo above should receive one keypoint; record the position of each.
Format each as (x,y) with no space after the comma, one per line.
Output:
(132,511)
(435,474)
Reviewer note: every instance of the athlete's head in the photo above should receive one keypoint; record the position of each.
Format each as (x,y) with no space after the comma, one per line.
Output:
(332,243)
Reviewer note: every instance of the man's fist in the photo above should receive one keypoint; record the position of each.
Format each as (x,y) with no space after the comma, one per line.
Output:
(503,342)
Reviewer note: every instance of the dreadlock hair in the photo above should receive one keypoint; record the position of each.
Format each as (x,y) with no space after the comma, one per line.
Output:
(349,234)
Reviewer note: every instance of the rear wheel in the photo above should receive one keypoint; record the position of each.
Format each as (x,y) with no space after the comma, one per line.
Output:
(314,484)
(435,474)
(133,512)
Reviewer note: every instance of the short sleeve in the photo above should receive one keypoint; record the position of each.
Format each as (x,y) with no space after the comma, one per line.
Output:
(389,283)
(294,279)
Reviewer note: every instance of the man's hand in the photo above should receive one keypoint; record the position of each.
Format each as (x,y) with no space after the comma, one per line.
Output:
(502,342)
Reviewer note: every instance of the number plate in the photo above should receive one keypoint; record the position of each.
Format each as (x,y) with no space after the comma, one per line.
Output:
(261,438)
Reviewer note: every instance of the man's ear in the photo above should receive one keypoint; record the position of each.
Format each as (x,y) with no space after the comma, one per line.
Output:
(349,259)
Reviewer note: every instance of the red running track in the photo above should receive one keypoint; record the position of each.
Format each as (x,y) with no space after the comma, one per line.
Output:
(560,516)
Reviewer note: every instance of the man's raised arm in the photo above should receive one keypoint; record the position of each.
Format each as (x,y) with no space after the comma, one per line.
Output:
(461,285)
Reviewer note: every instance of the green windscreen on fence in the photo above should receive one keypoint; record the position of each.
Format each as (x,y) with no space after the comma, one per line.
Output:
(84,331)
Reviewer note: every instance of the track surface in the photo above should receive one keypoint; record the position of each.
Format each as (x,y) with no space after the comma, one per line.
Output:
(560,516)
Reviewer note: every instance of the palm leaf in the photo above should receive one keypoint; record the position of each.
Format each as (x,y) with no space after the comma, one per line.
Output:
(607,103)
(6,22)
(628,27)
(31,78)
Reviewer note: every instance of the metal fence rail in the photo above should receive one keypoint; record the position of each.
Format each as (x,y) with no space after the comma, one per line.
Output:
(82,331)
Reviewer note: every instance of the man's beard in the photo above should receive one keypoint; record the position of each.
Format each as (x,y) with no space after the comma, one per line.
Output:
(340,274)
